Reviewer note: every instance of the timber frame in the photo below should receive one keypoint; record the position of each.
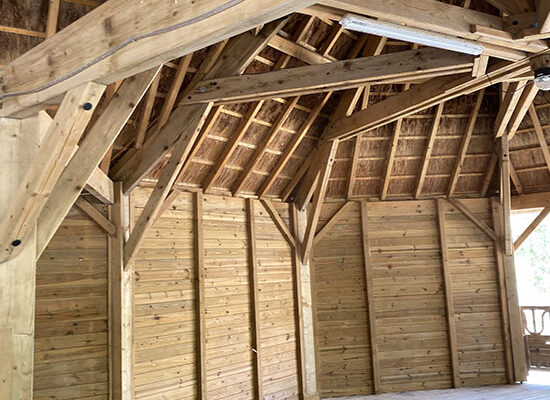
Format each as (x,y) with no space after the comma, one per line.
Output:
(271,101)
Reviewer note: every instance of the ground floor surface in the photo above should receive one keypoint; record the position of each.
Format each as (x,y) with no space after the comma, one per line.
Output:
(537,388)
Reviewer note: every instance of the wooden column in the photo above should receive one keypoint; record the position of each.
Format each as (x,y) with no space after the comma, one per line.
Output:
(307,330)
(453,346)
(120,301)
(506,194)
(20,141)
(255,312)
(200,301)
(370,300)
(514,320)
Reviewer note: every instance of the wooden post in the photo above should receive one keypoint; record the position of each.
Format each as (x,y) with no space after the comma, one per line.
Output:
(200,310)
(505,317)
(506,194)
(20,141)
(307,330)
(448,293)
(511,293)
(255,314)
(121,303)
(370,300)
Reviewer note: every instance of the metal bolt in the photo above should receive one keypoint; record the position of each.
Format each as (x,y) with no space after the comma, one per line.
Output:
(87,106)
(16,243)
(202,89)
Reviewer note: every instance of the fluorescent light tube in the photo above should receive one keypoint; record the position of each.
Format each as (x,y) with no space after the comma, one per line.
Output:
(407,34)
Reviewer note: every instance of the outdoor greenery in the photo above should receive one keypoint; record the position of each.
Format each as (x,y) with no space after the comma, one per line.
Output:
(533,260)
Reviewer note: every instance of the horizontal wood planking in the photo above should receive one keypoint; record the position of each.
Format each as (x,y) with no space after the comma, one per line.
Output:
(71,321)
(165,308)
(411,320)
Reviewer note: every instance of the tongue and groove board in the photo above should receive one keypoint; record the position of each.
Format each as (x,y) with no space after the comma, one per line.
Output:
(408,299)
(169,344)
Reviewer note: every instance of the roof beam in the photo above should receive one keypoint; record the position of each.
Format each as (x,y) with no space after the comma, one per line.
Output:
(468,214)
(293,145)
(465,143)
(164,184)
(531,228)
(508,106)
(429,148)
(527,97)
(89,154)
(118,48)
(419,98)
(389,68)
(236,56)
(543,15)
(46,167)
(509,7)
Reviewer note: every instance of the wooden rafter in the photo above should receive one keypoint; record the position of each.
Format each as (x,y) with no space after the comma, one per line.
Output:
(331,222)
(230,148)
(165,182)
(293,145)
(260,150)
(145,116)
(417,99)
(89,154)
(388,68)
(515,178)
(56,150)
(429,148)
(432,15)
(236,56)
(168,30)
(283,228)
(465,143)
(489,175)
(527,97)
(511,100)
(53,15)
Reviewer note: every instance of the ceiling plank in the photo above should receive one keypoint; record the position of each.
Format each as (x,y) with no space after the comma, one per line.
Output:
(230,148)
(389,68)
(429,148)
(465,143)
(89,154)
(236,56)
(166,31)
(293,145)
(46,167)
(262,147)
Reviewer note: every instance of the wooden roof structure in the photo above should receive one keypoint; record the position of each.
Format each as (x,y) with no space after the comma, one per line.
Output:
(268,100)
(260,147)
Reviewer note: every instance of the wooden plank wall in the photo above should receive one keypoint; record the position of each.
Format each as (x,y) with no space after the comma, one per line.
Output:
(167,330)
(71,321)
(403,262)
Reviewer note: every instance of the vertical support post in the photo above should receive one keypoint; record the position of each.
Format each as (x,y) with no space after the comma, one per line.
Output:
(506,193)
(307,329)
(449,303)
(121,301)
(370,300)
(505,317)
(514,313)
(200,302)
(253,279)
(20,141)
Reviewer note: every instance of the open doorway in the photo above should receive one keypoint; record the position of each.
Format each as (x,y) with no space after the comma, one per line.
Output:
(531,233)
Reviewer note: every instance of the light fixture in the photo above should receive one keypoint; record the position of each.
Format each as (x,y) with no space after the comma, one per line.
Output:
(407,34)
(542,78)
